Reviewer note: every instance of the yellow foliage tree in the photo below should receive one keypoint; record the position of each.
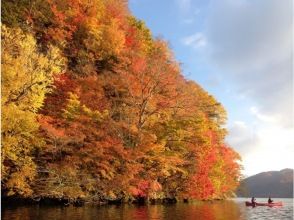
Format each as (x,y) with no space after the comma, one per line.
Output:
(26,77)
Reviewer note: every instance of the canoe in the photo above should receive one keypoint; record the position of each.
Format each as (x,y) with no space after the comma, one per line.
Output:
(264,204)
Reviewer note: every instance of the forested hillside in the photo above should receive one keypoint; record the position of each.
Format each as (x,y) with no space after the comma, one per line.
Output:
(277,184)
(96,108)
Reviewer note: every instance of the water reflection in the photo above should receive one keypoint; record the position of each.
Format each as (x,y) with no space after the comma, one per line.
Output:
(219,210)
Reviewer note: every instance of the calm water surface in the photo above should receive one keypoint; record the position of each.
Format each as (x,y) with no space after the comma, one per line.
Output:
(226,210)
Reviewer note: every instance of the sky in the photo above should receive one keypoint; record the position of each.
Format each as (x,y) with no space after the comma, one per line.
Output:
(241,52)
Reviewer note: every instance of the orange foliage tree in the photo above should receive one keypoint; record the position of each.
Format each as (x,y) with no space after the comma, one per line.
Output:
(121,122)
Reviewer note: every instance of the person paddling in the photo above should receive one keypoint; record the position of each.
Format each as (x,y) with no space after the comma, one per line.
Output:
(253,201)
(270,200)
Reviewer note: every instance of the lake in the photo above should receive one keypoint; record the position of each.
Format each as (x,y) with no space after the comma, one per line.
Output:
(218,210)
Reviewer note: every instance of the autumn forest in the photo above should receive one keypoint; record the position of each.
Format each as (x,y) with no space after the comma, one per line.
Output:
(95,108)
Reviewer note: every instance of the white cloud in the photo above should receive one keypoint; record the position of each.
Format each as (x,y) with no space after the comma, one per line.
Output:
(190,17)
(242,137)
(196,40)
(275,152)
(262,148)
(183,5)
(265,117)
(187,11)
(251,42)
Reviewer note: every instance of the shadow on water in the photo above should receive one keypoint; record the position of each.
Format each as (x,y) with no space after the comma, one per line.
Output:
(218,210)
(202,210)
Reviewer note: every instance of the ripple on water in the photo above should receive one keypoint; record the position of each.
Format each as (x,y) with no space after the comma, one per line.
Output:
(222,210)
(263,212)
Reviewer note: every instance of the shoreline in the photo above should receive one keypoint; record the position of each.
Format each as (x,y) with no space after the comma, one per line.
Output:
(63,202)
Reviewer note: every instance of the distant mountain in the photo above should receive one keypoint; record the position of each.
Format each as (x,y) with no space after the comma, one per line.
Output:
(277,184)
